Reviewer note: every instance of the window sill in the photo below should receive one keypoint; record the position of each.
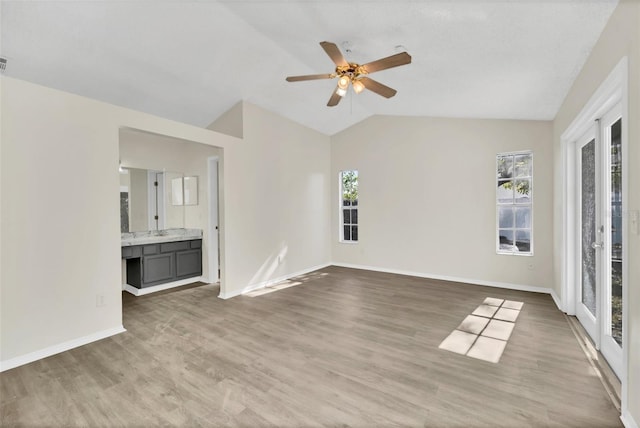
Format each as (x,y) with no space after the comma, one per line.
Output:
(348,242)
(511,253)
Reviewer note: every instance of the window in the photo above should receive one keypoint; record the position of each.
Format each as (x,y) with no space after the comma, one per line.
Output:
(349,206)
(514,203)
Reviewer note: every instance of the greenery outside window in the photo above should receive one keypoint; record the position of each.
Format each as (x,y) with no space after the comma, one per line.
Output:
(514,200)
(349,206)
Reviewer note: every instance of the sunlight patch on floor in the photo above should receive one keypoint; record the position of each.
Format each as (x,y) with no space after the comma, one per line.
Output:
(279,286)
(484,333)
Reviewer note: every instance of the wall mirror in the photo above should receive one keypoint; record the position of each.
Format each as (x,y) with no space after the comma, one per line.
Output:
(190,190)
(184,191)
(146,200)
(176,191)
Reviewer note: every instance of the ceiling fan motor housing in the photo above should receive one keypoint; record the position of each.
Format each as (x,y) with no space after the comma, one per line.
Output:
(353,71)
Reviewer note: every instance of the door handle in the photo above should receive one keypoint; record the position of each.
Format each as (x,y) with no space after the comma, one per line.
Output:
(597,245)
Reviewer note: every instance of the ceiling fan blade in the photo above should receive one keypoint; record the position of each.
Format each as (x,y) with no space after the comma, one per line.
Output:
(389,62)
(334,53)
(378,87)
(309,77)
(335,99)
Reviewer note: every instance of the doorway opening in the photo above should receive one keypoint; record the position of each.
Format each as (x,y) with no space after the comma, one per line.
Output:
(174,217)
(595,221)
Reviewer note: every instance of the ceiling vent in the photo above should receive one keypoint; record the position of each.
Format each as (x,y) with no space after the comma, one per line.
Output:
(3,64)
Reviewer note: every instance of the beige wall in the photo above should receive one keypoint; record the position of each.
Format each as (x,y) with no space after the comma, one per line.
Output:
(620,38)
(125,181)
(58,253)
(427,197)
(231,122)
(281,195)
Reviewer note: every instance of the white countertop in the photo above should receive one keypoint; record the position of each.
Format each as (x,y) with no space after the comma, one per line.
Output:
(158,236)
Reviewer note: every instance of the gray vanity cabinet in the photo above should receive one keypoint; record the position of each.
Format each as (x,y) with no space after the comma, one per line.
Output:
(188,262)
(158,268)
(155,264)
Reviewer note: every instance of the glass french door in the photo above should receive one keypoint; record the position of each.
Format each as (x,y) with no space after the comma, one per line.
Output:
(600,232)
(612,251)
(588,191)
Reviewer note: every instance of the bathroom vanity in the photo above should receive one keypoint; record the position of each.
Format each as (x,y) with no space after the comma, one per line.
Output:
(161,259)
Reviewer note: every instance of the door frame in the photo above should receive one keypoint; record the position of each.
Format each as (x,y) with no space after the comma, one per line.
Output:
(213,169)
(155,199)
(608,346)
(613,90)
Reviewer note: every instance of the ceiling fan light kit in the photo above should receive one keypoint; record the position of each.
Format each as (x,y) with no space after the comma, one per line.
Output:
(358,86)
(343,82)
(355,74)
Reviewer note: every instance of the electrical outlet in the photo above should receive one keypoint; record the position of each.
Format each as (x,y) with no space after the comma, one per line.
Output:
(99,300)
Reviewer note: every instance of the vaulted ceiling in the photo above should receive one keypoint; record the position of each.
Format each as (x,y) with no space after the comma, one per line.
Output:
(192,60)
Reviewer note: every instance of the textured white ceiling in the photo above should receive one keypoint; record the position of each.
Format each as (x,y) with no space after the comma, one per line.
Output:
(192,60)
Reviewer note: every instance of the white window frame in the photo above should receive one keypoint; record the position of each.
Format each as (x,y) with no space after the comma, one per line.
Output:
(341,207)
(514,204)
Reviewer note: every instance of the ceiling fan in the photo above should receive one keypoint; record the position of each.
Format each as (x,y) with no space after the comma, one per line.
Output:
(355,74)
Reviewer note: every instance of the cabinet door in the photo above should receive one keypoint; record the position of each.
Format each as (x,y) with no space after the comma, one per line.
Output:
(158,268)
(188,263)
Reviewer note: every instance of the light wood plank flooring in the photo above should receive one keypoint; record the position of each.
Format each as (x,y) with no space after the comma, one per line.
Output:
(344,348)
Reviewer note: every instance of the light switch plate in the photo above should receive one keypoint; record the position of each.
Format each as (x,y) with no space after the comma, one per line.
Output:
(634,220)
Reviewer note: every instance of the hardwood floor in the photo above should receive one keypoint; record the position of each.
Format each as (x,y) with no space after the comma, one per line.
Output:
(344,348)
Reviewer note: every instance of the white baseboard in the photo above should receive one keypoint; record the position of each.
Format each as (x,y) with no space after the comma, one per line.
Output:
(60,347)
(267,283)
(556,299)
(147,290)
(627,420)
(519,287)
